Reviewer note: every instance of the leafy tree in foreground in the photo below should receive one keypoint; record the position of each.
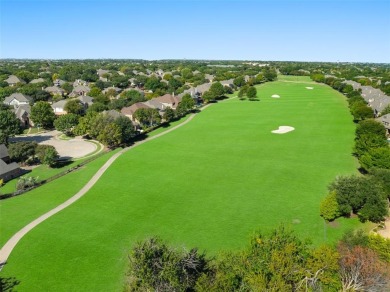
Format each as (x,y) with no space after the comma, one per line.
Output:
(362,270)
(156,267)
(42,114)
(9,126)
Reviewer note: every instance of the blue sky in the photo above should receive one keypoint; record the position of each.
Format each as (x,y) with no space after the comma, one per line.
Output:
(294,30)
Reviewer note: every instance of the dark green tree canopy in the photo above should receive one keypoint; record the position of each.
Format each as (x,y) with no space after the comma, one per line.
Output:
(42,115)
(9,125)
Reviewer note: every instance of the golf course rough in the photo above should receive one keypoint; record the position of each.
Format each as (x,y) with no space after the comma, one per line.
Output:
(208,184)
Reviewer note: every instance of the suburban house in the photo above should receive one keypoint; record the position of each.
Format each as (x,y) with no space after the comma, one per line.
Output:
(80,90)
(35,81)
(228,83)
(23,113)
(112,89)
(130,110)
(86,100)
(209,77)
(55,90)
(103,74)
(168,100)
(58,107)
(153,103)
(385,120)
(375,98)
(12,80)
(17,99)
(58,82)
(8,170)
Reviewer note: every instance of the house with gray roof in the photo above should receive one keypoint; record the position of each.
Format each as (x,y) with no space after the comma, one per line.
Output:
(12,80)
(80,90)
(35,81)
(86,100)
(8,170)
(23,113)
(55,90)
(17,99)
(375,98)
(228,83)
(58,107)
(168,100)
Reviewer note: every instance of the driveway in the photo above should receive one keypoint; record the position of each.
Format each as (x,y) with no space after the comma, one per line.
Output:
(73,148)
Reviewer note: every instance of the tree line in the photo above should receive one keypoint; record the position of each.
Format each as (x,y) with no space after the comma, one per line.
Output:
(275,261)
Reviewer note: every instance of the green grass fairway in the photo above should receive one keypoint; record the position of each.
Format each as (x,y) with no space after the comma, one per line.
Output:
(209,184)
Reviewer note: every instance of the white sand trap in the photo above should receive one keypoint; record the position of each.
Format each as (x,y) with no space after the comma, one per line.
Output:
(309,87)
(275,96)
(283,130)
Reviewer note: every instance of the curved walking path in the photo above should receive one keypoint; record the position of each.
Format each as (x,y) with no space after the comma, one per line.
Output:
(11,243)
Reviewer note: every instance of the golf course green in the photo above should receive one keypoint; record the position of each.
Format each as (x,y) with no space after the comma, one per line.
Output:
(208,184)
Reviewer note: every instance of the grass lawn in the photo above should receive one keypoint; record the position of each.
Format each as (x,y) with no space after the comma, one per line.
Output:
(18,211)
(208,184)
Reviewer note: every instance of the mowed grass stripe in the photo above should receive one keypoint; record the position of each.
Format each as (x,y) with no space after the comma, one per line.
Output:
(208,184)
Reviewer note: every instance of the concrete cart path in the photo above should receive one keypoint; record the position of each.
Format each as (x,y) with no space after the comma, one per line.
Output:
(11,243)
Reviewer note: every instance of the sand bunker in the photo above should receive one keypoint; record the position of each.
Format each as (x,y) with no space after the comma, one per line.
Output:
(283,130)
(275,96)
(309,87)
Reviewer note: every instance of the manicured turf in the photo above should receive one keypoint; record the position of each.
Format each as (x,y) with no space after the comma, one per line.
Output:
(208,184)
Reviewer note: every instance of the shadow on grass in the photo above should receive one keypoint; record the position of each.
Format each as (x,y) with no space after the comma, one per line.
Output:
(62,163)
(8,284)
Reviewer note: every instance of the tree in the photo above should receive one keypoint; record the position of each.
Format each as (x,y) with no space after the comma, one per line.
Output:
(110,135)
(66,123)
(239,81)
(97,107)
(217,90)
(362,196)
(42,114)
(361,111)
(74,106)
(169,114)
(381,177)
(9,125)
(21,151)
(376,157)
(329,208)
(251,92)
(41,95)
(126,127)
(208,96)
(47,154)
(147,116)
(361,269)
(187,104)
(369,134)
(243,91)
(154,266)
